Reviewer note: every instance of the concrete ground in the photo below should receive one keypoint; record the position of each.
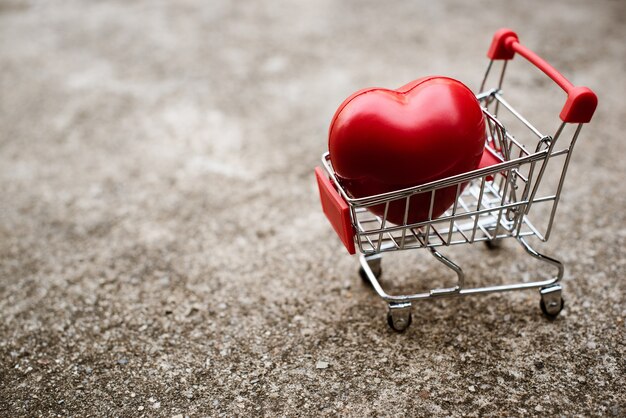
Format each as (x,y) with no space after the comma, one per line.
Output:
(162,247)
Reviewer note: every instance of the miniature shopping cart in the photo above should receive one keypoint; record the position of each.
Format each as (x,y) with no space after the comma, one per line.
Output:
(493,202)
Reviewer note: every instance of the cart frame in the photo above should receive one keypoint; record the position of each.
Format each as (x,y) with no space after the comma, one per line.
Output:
(492,203)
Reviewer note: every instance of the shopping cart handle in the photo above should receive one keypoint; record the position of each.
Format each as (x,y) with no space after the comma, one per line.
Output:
(581,101)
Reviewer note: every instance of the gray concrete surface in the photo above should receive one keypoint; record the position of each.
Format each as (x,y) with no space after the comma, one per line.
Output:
(162,248)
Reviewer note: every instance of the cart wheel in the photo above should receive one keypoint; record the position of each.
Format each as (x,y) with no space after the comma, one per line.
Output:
(366,280)
(554,310)
(399,316)
(551,300)
(400,324)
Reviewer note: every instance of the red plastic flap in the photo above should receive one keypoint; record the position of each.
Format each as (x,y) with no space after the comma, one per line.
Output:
(336,210)
(487,160)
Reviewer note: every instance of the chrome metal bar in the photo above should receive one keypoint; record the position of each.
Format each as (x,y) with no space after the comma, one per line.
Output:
(485,232)
(544,165)
(485,94)
(430,215)
(406,214)
(525,192)
(500,82)
(482,85)
(434,229)
(544,199)
(562,180)
(516,142)
(417,235)
(393,240)
(530,250)
(506,186)
(534,230)
(450,264)
(479,200)
(362,230)
(515,113)
(462,233)
(450,229)
(382,225)
(494,135)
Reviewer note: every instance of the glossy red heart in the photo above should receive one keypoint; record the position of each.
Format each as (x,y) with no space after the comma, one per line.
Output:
(384,140)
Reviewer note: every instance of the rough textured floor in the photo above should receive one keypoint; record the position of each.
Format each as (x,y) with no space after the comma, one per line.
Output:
(162,247)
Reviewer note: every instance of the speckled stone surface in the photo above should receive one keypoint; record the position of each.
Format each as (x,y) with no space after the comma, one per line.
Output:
(162,247)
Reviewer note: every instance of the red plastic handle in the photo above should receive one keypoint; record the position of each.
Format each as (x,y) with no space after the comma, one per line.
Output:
(581,101)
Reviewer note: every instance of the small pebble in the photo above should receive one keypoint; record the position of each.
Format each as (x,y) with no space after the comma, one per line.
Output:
(140,408)
(472,388)
(321,365)
(122,361)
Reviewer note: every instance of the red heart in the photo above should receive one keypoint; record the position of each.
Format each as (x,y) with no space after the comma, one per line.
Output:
(384,140)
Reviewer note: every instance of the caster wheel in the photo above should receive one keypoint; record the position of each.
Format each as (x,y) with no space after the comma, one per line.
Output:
(553,312)
(364,277)
(401,324)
